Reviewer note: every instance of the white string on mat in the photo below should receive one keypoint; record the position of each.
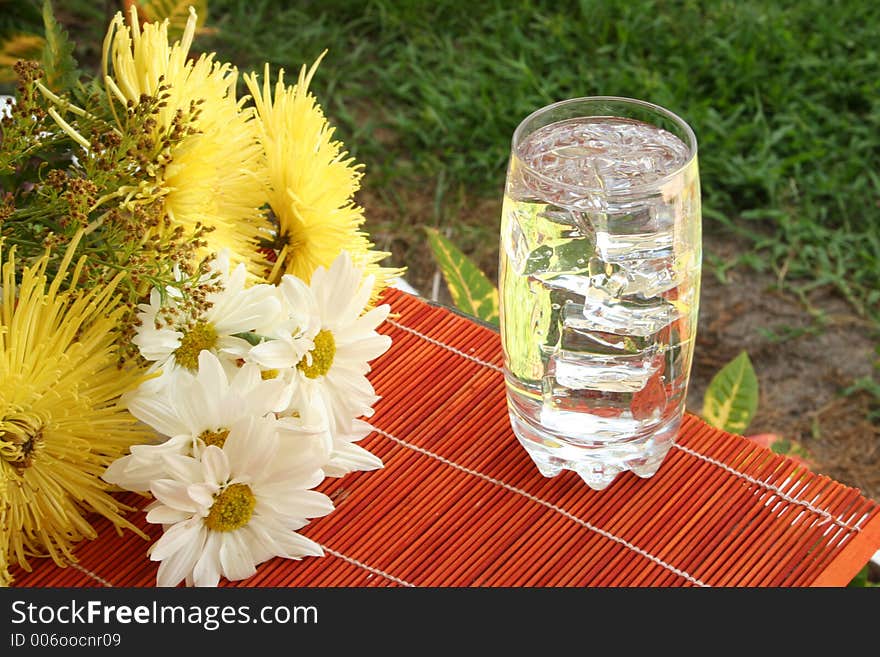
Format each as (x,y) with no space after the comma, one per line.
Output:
(788,498)
(371,569)
(821,512)
(484,363)
(339,555)
(549,505)
(94,576)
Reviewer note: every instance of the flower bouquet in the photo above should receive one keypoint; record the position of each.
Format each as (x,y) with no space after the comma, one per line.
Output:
(187,307)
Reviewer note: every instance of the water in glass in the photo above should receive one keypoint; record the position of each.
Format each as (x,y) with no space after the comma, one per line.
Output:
(599,276)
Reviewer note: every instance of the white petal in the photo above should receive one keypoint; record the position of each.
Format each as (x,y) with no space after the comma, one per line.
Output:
(162,376)
(347,396)
(235,557)
(215,465)
(203,495)
(296,503)
(297,462)
(296,546)
(179,565)
(236,446)
(267,321)
(156,345)
(230,350)
(176,538)
(299,300)
(181,467)
(350,458)
(203,400)
(355,390)
(301,475)
(364,349)
(364,325)
(308,435)
(359,300)
(115,474)
(174,494)
(158,412)
(275,354)
(359,431)
(165,515)
(207,570)
(259,538)
(211,376)
(338,291)
(196,410)
(145,464)
(370,320)
(254,444)
(272,396)
(244,313)
(245,379)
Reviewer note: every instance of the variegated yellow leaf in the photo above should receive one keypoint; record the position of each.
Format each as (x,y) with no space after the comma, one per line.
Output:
(731,399)
(472,292)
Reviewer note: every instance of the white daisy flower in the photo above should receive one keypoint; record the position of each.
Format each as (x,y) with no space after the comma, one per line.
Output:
(333,372)
(290,339)
(197,410)
(236,507)
(172,337)
(344,455)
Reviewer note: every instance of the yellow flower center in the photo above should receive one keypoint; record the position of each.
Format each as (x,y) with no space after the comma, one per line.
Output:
(201,336)
(19,449)
(217,438)
(269,374)
(232,508)
(322,356)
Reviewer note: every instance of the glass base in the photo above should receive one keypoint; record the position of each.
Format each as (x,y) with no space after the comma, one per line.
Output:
(599,463)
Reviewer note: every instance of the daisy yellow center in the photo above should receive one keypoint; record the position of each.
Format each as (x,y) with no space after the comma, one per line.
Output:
(232,508)
(198,337)
(217,438)
(269,374)
(322,356)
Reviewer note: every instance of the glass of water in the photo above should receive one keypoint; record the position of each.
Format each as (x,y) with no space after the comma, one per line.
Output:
(600,282)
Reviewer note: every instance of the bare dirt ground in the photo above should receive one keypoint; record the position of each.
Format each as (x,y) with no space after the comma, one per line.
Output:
(802,364)
(801,376)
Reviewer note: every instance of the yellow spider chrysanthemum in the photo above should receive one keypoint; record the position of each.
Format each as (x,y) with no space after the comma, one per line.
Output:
(214,176)
(312,182)
(60,421)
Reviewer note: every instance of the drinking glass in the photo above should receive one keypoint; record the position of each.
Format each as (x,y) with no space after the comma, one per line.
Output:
(599,281)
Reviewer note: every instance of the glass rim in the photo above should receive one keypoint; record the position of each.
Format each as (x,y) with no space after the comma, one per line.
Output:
(654,184)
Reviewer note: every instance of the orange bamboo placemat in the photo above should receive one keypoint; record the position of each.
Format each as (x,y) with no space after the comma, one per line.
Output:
(459,503)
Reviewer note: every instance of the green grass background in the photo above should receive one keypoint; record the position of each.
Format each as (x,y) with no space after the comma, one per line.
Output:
(784,98)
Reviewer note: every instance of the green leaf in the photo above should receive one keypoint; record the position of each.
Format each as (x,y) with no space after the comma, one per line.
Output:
(472,292)
(251,338)
(58,61)
(176,11)
(731,399)
(861,580)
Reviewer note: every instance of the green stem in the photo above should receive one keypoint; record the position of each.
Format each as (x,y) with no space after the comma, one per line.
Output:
(252,338)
